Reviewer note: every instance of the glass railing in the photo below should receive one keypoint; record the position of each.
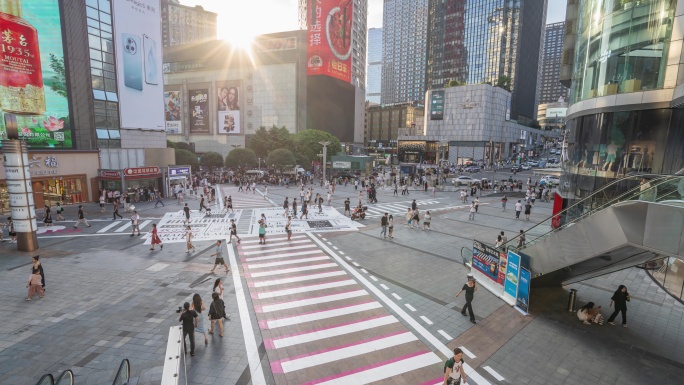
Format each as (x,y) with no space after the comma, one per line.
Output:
(123,375)
(668,272)
(644,187)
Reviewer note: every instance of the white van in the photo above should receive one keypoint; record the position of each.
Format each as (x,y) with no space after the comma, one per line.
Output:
(257,173)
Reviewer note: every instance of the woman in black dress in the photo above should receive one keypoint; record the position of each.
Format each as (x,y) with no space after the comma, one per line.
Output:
(620,299)
(470,288)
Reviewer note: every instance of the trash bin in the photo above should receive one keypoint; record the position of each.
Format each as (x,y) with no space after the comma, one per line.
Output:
(571,300)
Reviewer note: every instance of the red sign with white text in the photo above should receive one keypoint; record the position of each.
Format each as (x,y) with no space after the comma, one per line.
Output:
(329,41)
(152,170)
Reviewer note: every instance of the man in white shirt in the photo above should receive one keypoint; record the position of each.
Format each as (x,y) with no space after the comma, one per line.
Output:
(135,223)
(518,209)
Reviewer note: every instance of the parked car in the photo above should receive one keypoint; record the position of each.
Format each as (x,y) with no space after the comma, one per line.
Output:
(515,168)
(533,163)
(472,169)
(464,181)
(551,179)
(525,167)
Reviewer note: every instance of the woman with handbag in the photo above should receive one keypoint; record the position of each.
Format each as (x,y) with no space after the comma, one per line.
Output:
(217,311)
(199,307)
(155,238)
(36,280)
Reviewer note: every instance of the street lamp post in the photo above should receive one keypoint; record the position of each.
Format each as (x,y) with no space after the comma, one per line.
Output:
(325,153)
(259,164)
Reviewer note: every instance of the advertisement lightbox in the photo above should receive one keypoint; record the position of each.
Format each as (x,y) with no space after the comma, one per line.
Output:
(137,36)
(172,112)
(437,105)
(198,103)
(329,32)
(228,107)
(32,74)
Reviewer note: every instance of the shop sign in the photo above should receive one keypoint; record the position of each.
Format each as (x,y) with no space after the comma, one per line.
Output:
(141,171)
(47,165)
(110,174)
(173,171)
(342,165)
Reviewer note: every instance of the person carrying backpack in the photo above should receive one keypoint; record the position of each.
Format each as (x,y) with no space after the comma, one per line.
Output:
(453,369)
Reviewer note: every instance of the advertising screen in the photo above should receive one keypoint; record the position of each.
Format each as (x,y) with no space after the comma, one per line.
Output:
(228,107)
(198,103)
(330,32)
(523,300)
(490,261)
(512,276)
(32,75)
(137,36)
(172,112)
(437,105)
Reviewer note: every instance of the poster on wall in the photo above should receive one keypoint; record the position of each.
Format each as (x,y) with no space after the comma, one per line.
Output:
(137,37)
(437,105)
(512,278)
(490,261)
(199,111)
(172,112)
(228,107)
(32,74)
(330,33)
(523,299)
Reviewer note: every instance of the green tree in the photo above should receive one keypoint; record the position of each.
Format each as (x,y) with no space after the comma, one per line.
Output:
(170,144)
(266,140)
(184,157)
(211,160)
(307,143)
(504,82)
(281,159)
(184,146)
(454,83)
(241,157)
(57,83)
(302,160)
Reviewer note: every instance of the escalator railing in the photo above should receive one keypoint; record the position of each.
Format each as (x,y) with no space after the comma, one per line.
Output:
(47,379)
(659,188)
(123,375)
(66,378)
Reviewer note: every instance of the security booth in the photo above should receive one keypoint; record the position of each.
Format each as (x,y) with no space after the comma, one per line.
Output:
(176,175)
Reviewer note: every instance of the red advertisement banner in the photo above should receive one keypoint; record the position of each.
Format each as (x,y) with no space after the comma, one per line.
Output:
(329,39)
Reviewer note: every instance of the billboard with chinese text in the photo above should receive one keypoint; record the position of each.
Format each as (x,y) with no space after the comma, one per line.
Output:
(172,112)
(490,261)
(198,106)
(329,38)
(137,37)
(228,107)
(32,75)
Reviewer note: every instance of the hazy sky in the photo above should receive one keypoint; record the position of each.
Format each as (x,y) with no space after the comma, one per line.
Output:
(240,20)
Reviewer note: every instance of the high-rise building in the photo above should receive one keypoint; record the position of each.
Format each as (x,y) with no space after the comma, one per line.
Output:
(404,34)
(360,21)
(550,87)
(374,66)
(183,25)
(487,41)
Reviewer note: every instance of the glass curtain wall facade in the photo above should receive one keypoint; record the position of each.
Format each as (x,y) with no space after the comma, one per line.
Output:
(446,53)
(622,46)
(550,87)
(404,36)
(103,73)
(374,66)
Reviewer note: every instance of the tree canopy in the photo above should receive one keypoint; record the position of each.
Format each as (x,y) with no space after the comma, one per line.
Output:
(241,157)
(211,160)
(308,143)
(504,82)
(454,83)
(184,157)
(266,140)
(281,159)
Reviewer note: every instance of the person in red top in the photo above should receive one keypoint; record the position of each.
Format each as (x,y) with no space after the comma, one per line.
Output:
(155,238)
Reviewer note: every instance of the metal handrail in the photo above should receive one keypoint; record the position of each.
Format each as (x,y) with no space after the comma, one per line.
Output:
(66,375)
(609,202)
(47,377)
(123,375)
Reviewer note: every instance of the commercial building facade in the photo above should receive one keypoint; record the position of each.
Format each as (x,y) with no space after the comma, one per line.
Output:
(627,90)
(404,34)
(386,121)
(374,66)
(183,25)
(550,87)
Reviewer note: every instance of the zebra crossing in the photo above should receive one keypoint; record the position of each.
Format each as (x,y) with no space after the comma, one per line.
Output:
(242,200)
(322,327)
(398,208)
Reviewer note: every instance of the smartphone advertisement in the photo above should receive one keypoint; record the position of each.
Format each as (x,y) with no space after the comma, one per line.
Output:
(32,74)
(228,107)
(137,35)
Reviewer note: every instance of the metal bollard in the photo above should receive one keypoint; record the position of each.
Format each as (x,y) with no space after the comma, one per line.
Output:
(571,300)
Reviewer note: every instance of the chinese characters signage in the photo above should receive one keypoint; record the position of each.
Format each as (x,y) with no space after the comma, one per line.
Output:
(199,111)
(141,171)
(172,112)
(437,105)
(329,38)
(32,74)
(279,44)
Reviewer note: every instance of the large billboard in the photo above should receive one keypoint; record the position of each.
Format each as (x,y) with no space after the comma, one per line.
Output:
(437,105)
(32,74)
(330,32)
(490,261)
(172,112)
(198,103)
(137,36)
(228,107)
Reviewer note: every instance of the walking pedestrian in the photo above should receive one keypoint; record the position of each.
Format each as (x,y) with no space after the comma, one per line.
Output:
(409,217)
(10,229)
(396,190)
(620,299)
(262,232)
(305,211)
(416,219)
(453,369)
(288,228)
(81,217)
(518,209)
(347,207)
(47,216)
(217,311)
(265,192)
(384,222)
(528,210)
(229,204)
(116,210)
(390,225)
(186,211)
(198,306)
(202,206)
(469,288)
(329,200)
(521,239)
(414,205)
(189,319)
(427,218)
(294,208)
(102,203)
(286,207)
(320,204)
(233,232)
(472,210)
(59,210)
(188,239)
(135,223)
(477,203)
(503,202)
(36,280)
(155,238)
(219,257)
(218,287)
(159,199)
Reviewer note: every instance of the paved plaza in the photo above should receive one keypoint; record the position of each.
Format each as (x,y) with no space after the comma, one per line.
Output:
(345,306)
